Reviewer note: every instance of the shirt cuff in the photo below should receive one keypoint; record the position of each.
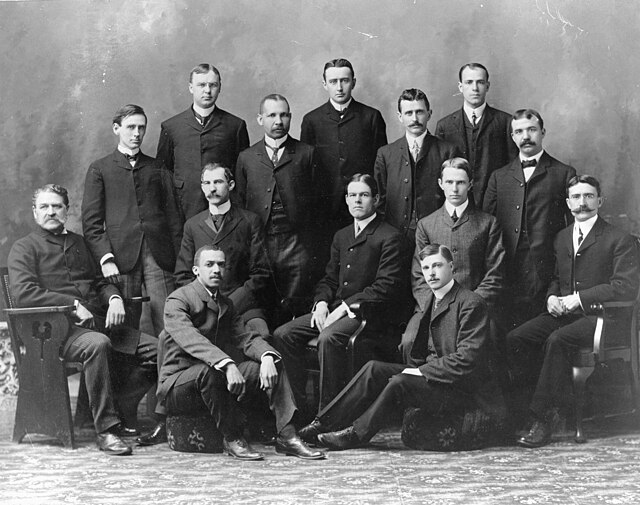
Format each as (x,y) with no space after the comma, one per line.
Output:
(107,257)
(347,310)
(276,356)
(222,363)
(413,371)
(114,296)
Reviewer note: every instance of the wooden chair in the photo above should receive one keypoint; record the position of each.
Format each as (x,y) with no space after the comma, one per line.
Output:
(613,317)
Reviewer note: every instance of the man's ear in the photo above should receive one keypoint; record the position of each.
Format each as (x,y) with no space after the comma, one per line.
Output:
(195,270)
(232,184)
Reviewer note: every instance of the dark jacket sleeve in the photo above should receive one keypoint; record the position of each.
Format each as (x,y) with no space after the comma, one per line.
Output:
(328,285)
(165,149)
(183,273)
(494,265)
(490,201)
(94,214)
(172,211)
(379,129)
(380,175)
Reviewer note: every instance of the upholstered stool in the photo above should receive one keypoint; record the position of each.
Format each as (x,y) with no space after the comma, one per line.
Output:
(193,433)
(428,432)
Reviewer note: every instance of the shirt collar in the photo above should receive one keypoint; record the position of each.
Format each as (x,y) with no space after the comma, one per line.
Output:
(204,112)
(220,209)
(275,143)
(478,110)
(585,226)
(340,106)
(212,295)
(125,150)
(536,157)
(420,139)
(364,222)
(440,293)
(459,209)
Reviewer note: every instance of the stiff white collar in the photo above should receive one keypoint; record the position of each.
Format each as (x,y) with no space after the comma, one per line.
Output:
(221,209)
(340,106)
(362,224)
(126,150)
(441,292)
(479,111)
(459,209)
(204,112)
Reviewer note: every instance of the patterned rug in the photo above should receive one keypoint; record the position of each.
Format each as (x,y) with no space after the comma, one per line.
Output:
(605,470)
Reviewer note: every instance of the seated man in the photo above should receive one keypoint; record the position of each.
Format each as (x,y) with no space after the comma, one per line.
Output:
(595,263)
(196,373)
(53,266)
(366,264)
(449,371)
(238,232)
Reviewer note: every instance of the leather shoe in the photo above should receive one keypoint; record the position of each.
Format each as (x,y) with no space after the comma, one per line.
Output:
(340,440)
(294,446)
(538,435)
(123,431)
(240,449)
(156,436)
(309,434)
(112,444)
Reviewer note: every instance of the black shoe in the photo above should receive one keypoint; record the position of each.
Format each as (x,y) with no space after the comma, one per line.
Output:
(123,431)
(340,440)
(294,446)
(538,435)
(309,434)
(156,436)
(240,449)
(112,444)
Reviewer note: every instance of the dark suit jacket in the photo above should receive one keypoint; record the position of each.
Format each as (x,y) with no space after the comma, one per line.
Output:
(475,241)
(295,176)
(47,269)
(366,267)
(605,268)
(121,205)
(494,147)
(344,146)
(247,269)
(459,350)
(199,330)
(185,147)
(393,174)
(547,211)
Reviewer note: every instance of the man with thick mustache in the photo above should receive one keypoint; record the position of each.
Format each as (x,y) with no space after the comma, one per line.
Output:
(527,197)
(407,170)
(595,263)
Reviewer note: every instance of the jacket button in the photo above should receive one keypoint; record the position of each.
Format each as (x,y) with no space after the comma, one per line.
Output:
(268,190)
(406,180)
(266,206)
(345,283)
(517,230)
(351,250)
(521,184)
(348,266)
(406,198)
(518,207)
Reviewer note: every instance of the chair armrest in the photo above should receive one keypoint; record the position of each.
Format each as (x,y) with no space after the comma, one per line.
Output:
(600,310)
(369,309)
(39,310)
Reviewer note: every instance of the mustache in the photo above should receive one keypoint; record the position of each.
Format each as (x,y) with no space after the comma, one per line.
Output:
(527,143)
(582,208)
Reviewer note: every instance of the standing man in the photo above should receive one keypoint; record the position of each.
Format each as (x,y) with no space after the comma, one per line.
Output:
(528,198)
(197,370)
(449,371)
(130,218)
(595,263)
(479,131)
(407,170)
(366,264)
(346,135)
(239,233)
(202,134)
(53,266)
(473,237)
(276,178)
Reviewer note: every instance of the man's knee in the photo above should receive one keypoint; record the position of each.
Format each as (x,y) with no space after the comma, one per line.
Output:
(94,343)
(328,338)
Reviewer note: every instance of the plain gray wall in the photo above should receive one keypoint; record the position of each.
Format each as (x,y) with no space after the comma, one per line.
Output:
(66,66)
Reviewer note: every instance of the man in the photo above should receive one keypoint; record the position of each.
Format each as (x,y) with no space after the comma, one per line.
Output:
(473,237)
(366,264)
(449,371)
(53,266)
(407,170)
(202,134)
(196,372)
(239,233)
(595,263)
(346,135)
(130,218)
(527,197)
(276,178)
(479,131)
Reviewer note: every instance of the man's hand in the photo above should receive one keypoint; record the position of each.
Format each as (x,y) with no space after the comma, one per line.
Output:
(115,313)
(338,313)
(110,272)
(555,306)
(571,303)
(235,380)
(268,372)
(319,315)
(84,317)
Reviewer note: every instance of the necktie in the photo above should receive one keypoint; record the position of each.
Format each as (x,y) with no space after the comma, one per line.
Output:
(529,163)
(436,303)
(132,159)
(343,112)
(358,230)
(454,216)
(416,150)
(580,236)
(474,118)
(202,119)
(274,157)
(218,219)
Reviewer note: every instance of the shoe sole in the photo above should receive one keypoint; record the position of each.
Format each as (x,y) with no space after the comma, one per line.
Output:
(287,453)
(242,459)
(118,453)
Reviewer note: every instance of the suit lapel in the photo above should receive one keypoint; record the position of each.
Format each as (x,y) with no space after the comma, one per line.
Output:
(230,222)
(216,120)
(288,153)
(591,238)
(121,161)
(426,145)
(515,169)
(331,113)
(261,154)
(487,117)
(362,236)
(461,218)
(541,167)
(206,225)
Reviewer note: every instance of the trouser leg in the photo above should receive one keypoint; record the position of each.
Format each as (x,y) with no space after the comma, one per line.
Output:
(158,284)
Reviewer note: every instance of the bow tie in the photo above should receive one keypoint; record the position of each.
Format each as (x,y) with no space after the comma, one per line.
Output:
(529,163)
(343,112)
(131,157)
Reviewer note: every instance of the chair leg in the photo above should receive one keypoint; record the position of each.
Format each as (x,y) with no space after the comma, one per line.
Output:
(580,376)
